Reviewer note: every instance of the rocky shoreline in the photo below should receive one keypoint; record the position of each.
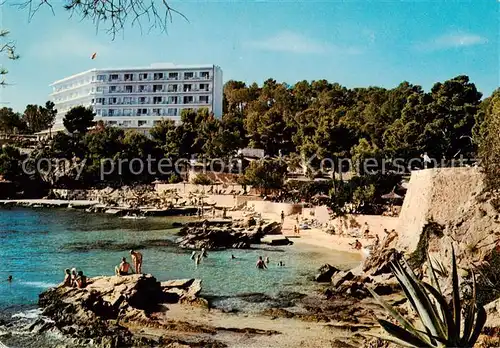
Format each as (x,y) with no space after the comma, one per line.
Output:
(100,313)
(136,311)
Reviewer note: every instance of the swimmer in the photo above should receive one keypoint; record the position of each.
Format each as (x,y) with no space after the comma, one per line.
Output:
(260,263)
(193,254)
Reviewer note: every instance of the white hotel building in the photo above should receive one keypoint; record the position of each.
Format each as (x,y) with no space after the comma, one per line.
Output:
(139,97)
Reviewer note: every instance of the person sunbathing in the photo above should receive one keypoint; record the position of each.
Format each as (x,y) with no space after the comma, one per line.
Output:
(67,278)
(123,269)
(81,280)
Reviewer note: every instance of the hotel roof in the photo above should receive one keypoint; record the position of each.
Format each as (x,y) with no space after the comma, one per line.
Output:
(153,66)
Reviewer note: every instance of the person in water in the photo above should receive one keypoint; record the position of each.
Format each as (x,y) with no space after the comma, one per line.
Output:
(123,268)
(81,280)
(204,252)
(137,260)
(260,263)
(266,260)
(9,279)
(232,256)
(193,255)
(197,260)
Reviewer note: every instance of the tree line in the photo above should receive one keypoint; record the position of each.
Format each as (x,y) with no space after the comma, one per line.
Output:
(315,119)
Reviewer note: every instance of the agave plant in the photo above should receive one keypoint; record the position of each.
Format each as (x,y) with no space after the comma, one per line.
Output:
(441,322)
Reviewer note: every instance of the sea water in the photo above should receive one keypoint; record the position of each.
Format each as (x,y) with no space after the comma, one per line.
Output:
(37,245)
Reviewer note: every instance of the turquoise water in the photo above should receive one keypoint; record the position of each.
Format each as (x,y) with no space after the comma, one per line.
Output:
(36,247)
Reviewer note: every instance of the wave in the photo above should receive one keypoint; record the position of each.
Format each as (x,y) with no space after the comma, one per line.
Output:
(29,314)
(43,285)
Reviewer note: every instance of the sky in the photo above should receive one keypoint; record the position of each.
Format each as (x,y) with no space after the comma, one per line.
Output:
(354,43)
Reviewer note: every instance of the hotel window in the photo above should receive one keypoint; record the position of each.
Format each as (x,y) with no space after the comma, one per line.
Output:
(173,76)
(128,89)
(112,101)
(205,75)
(112,112)
(172,112)
(187,88)
(156,112)
(142,112)
(204,86)
(98,112)
(105,112)
(129,77)
(172,88)
(111,123)
(157,88)
(99,100)
(113,77)
(112,89)
(142,123)
(101,77)
(188,75)
(127,100)
(142,100)
(172,100)
(158,76)
(157,100)
(127,123)
(99,89)
(203,99)
(127,112)
(142,88)
(143,76)
(188,99)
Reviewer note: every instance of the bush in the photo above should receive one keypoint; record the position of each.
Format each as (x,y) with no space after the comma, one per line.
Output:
(202,179)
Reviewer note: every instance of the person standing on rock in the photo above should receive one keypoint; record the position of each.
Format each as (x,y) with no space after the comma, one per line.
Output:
(204,252)
(137,260)
(282,217)
(261,264)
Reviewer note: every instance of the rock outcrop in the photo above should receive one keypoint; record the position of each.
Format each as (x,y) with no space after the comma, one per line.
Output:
(212,238)
(325,273)
(98,311)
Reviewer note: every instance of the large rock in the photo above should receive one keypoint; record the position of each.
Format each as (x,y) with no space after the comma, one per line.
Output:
(326,272)
(218,238)
(183,290)
(271,228)
(340,277)
(276,240)
(95,311)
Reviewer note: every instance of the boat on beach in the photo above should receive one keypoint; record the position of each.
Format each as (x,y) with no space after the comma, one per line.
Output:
(133,217)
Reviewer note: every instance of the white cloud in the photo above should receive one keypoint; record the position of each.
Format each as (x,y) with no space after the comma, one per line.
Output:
(452,40)
(287,41)
(69,44)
